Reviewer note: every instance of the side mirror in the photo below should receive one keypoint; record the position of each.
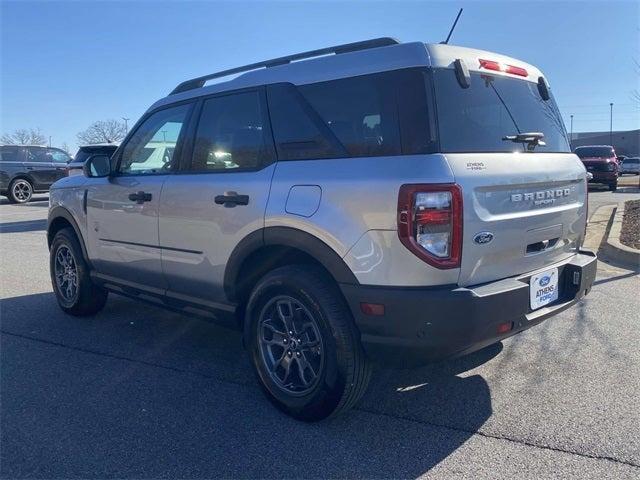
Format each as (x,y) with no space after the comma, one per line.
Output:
(97,166)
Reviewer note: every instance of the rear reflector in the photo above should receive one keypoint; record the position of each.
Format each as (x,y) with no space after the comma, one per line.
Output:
(499,67)
(505,327)
(375,309)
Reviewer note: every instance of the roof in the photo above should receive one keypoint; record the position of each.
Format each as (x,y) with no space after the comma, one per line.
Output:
(344,63)
(25,145)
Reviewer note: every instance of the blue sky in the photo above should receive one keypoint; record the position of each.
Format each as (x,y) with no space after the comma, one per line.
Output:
(67,64)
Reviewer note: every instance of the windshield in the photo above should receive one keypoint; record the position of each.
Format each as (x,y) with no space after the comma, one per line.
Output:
(477,118)
(594,152)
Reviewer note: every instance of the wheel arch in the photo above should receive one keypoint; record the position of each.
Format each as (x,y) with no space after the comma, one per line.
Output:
(272,247)
(59,218)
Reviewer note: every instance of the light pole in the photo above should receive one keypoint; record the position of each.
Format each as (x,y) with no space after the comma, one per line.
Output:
(571,137)
(164,135)
(126,124)
(611,124)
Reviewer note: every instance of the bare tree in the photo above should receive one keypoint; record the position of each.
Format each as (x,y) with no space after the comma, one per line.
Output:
(22,136)
(102,131)
(65,147)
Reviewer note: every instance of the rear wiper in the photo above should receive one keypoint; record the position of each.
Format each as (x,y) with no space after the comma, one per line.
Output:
(532,139)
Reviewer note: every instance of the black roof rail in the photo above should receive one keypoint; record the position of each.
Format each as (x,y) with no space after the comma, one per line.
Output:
(338,49)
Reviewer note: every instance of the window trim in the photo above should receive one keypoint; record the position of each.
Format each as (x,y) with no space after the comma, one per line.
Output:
(189,148)
(177,154)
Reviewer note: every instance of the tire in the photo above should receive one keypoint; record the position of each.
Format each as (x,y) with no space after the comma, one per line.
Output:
(67,263)
(337,359)
(20,191)
(613,187)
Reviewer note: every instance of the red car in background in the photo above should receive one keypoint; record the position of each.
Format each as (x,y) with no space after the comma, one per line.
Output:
(601,162)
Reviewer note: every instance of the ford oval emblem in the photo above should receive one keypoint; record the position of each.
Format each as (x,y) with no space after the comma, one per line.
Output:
(483,237)
(544,281)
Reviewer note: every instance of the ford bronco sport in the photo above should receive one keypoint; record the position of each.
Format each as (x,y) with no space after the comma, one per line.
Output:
(373,201)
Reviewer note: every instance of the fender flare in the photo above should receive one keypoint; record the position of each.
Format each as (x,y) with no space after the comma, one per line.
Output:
(61,212)
(285,237)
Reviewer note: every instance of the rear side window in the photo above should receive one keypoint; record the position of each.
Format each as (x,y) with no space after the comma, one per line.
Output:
(360,112)
(37,154)
(380,114)
(9,154)
(232,134)
(299,132)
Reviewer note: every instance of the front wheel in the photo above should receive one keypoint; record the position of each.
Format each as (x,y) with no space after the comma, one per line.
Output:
(613,187)
(304,346)
(75,292)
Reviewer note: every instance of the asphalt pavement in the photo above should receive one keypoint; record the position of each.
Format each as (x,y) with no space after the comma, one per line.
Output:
(138,392)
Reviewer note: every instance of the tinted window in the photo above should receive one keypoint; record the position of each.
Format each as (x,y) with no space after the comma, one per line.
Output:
(150,150)
(57,156)
(231,134)
(37,154)
(9,154)
(594,152)
(86,152)
(476,119)
(299,132)
(629,161)
(359,111)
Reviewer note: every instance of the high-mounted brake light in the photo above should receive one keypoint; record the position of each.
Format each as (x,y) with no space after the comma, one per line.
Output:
(500,67)
(430,223)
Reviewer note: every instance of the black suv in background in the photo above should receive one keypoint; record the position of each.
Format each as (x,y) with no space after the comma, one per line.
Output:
(29,169)
(84,152)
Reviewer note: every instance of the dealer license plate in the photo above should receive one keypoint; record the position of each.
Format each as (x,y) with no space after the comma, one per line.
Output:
(543,288)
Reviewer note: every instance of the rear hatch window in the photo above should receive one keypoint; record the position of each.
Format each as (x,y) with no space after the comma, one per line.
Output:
(476,119)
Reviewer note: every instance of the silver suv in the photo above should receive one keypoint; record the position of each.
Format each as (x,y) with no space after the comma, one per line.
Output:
(374,201)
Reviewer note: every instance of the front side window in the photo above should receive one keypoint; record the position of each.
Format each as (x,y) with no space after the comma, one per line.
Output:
(57,156)
(231,134)
(151,148)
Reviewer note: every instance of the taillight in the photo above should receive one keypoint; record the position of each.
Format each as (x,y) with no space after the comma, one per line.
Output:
(499,67)
(430,223)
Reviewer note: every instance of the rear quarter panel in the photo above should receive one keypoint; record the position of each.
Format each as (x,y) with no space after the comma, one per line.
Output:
(356,214)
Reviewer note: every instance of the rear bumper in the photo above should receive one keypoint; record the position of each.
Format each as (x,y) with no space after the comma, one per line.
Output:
(421,325)
(604,177)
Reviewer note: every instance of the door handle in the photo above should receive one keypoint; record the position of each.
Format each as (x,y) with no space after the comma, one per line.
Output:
(231,199)
(140,197)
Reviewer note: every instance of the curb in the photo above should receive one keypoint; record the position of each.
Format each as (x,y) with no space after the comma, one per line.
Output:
(614,249)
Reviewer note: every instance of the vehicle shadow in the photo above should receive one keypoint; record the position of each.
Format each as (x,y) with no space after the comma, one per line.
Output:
(36,201)
(100,370)
(23,226)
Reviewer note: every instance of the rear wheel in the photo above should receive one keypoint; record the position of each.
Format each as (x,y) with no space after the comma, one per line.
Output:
(304,346)
(613,186)
(20,191)
(75,292)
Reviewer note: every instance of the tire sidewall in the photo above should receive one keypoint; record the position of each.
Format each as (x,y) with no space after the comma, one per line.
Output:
(63,237)
(327,393)
(12,196)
